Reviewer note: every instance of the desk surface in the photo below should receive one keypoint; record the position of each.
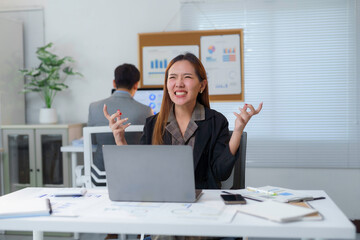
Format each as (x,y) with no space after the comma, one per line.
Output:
(75,149)
(85,217)
(71,148)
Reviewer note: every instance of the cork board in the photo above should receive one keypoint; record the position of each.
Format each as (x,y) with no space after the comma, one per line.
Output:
(181,38)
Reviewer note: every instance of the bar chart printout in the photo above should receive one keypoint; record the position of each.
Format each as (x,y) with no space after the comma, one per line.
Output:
(156,59)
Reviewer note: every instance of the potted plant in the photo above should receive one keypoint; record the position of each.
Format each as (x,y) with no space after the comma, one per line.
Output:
(48,79)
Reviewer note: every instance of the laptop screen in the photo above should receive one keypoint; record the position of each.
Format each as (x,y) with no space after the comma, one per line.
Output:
(151,97)
(146,173)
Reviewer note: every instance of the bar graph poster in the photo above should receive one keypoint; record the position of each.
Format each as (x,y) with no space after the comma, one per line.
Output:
(220,55)
(156,59)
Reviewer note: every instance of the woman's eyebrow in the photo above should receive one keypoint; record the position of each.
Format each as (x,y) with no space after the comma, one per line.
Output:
(175,74)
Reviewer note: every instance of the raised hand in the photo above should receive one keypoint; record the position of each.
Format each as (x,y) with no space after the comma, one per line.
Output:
(117,126)
(244,116)
(241,120)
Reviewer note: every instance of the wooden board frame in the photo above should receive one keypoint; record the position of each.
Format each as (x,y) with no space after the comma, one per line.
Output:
(190,38)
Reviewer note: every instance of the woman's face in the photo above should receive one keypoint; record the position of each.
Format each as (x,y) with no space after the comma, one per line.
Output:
(183,84)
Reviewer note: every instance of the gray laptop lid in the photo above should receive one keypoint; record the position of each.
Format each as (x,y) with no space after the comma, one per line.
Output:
(150,173)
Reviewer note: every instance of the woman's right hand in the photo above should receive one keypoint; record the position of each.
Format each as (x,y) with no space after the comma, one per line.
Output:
(117,126)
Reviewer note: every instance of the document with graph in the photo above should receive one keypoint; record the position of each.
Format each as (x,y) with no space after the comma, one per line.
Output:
(279,194)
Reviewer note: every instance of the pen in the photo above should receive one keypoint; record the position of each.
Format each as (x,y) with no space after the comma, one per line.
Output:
(244,196)
(261,191)
(226,192)
(69,195)
(49,205)
(317,198)
(258,200)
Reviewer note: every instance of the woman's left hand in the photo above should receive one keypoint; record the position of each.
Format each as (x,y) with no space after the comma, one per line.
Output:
(244,116)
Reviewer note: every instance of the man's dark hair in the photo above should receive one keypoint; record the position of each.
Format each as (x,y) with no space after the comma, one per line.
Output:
(126,75)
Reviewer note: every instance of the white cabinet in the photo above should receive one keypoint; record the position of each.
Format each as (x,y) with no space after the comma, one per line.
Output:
(32,155)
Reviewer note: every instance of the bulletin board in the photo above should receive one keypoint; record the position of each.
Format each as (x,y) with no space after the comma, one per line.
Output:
(193,39)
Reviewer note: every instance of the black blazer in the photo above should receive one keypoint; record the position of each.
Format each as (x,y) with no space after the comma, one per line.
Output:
(213,161)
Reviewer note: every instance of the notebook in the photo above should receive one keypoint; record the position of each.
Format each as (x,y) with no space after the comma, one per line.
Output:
(149,173)
(10,208)
(276,211)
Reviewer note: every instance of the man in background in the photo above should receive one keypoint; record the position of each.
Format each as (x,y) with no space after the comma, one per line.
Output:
(126,83)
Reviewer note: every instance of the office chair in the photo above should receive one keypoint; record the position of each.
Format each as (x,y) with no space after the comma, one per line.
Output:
(237,177)
(93,176)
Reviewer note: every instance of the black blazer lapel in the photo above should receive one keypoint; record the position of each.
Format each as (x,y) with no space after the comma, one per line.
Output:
(202,136)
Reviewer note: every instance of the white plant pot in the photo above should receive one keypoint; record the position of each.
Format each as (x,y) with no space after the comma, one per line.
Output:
(48,116)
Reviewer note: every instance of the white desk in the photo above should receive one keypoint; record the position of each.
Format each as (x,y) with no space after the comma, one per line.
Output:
(74,150)
(334,226)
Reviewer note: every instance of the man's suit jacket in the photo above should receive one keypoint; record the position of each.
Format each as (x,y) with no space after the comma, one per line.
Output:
(131,109)
(213,161)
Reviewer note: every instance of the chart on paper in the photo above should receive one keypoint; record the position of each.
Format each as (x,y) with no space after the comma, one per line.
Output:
(220,55)
(156,59)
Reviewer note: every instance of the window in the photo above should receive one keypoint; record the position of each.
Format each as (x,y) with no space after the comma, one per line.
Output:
(300,59)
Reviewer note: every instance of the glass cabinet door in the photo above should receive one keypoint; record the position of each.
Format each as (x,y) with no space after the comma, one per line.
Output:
(19,162)
(50,164)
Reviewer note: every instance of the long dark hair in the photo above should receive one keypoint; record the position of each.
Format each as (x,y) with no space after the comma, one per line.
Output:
(203,98)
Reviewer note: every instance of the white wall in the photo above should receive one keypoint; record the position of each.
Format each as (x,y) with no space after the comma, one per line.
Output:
(99,37)
(11,4)
(11,59)
(32,18)
(103,34)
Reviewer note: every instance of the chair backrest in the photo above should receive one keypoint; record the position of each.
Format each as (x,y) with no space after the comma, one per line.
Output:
(92,175)
(237,177)
(235,181)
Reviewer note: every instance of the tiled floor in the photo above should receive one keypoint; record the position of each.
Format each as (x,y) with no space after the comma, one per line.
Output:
(87,236)
(84,236)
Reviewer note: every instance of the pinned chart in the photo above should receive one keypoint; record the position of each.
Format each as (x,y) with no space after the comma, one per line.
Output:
(220,55)
(156,59)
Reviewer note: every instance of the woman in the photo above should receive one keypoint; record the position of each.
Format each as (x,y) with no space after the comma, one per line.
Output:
(185,118)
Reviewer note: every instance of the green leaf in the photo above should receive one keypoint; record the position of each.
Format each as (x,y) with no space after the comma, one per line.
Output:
(46,78)
(68,71)
(44,47)
(55,88)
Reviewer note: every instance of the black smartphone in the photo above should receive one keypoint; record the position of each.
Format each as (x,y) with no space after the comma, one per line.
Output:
(233,199)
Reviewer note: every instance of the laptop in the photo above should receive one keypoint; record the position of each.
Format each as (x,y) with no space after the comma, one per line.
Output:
(150,173)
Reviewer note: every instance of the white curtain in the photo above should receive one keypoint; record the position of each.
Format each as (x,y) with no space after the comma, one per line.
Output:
(300,59)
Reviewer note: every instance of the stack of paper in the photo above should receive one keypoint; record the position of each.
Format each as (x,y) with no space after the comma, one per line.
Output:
(24,208)
(275,193)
